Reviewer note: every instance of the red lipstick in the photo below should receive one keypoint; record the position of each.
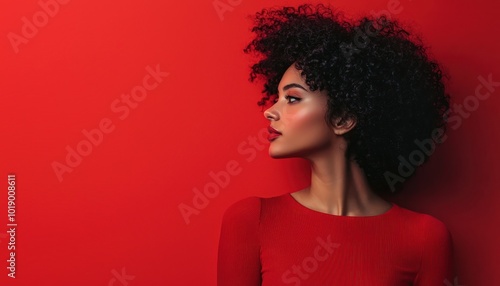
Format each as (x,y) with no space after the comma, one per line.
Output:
(273,133)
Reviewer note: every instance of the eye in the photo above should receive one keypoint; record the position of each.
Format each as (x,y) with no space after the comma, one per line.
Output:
(288,97)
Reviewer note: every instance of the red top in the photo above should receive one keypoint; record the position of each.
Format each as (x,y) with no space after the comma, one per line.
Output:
(278,241)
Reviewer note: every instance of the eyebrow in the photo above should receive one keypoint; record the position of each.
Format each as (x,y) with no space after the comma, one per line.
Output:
(291,85)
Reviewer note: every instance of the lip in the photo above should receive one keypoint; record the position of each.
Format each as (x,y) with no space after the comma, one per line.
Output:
(273,134)
(273,131)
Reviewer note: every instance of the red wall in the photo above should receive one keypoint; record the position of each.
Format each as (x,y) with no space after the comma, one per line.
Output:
(111,216)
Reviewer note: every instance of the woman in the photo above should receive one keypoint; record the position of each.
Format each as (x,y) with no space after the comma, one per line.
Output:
(353,99)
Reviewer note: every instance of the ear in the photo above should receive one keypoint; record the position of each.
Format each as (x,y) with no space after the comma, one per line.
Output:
(343,124)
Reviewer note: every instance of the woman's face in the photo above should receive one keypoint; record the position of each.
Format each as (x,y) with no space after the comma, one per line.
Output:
(299,115)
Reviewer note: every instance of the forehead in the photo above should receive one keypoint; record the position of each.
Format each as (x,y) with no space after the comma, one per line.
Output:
(292,75)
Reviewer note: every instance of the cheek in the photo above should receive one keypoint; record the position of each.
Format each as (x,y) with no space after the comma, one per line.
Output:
(305,121)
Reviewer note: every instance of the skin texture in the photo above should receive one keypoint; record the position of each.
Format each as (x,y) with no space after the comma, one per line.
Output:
(338,184)
(375,69)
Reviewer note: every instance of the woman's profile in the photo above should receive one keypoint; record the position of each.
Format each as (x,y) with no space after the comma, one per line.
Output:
(351,98)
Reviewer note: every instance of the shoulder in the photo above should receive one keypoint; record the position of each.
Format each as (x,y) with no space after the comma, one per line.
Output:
(251,209)
(432,242)
(435,233)
(423,220)
(243,210)
(430,231)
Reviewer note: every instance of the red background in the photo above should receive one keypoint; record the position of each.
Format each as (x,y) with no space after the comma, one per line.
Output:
(118,210)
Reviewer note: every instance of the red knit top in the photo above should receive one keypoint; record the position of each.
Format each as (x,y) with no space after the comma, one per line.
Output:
(278,241)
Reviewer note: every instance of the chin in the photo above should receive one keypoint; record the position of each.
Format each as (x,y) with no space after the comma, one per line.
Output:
(276,155)
(303,152)
(283,153)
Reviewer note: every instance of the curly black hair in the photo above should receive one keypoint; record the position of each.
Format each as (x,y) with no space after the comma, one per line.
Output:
(373,69)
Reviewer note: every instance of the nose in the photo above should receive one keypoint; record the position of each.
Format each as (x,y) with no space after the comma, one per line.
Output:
(271,114)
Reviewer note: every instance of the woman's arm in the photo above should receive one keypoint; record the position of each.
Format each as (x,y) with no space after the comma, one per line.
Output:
(238,261)
(437,255)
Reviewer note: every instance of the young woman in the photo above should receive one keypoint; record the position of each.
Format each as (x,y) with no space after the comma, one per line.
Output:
(353,99)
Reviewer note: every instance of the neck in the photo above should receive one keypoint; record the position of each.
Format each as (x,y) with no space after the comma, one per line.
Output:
(339,187)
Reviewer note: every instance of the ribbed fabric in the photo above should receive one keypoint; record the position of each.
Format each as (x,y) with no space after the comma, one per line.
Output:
(278,241)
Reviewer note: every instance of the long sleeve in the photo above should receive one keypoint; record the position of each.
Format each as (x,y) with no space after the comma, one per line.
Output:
(238,261)
(437,255)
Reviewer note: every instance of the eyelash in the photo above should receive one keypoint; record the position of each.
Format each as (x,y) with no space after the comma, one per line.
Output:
(288,97)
